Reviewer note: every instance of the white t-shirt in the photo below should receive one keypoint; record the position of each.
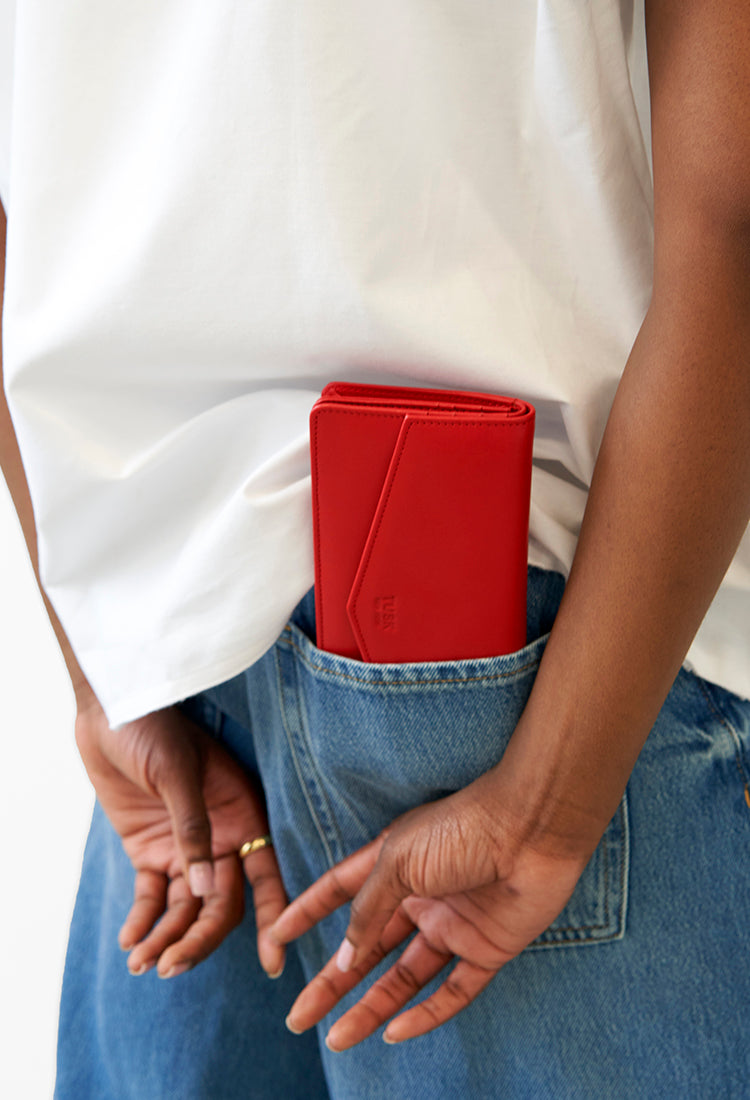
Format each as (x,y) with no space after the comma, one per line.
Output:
(214,209)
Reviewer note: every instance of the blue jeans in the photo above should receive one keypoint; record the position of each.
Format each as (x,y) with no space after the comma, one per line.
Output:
(640,988)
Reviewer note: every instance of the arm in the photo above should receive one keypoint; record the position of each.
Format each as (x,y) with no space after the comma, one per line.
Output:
(13,471)
(670,497)
(180,804)
(669,502)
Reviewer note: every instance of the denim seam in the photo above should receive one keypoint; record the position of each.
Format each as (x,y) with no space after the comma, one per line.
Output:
(617,933)
(739,754)
(487,677)
(298,767)
(605,924)
(218,722)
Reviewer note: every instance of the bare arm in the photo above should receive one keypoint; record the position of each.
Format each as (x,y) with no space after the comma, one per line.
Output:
(15,477)
(669,502)
(671,493)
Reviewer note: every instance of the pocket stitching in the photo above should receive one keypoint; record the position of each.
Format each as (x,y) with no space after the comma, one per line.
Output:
(547,940)
(368,682)
(302,783)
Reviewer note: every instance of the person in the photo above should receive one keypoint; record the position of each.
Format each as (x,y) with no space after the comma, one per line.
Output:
(213,212)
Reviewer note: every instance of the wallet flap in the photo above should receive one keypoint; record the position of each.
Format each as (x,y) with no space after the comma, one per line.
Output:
(443,573)
(351,450)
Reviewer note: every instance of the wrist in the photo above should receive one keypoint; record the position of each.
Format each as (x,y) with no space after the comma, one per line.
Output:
(86,703)
(555,789)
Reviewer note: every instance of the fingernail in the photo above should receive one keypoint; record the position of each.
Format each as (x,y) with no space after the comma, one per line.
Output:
(345,956)
(333,1049)
(387,1039)
(276,974)
(138,970)
(294,1030)
(201,879)
(176,970)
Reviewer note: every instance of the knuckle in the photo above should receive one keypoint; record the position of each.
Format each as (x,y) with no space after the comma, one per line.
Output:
(265,881)
(193,827)
(339,892)
(377,954)
(428,1008)
(325,982)
(456,992)
(357,914)
(403,979)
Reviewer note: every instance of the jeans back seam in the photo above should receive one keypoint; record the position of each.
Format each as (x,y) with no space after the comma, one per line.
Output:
(739,754)
(298,768)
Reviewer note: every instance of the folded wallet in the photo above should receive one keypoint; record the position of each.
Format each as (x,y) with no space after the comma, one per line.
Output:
(421,519)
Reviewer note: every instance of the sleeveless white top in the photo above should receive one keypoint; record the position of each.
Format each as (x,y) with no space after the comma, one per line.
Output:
(214,209)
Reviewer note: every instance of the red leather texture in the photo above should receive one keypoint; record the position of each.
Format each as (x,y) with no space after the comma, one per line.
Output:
(421,518)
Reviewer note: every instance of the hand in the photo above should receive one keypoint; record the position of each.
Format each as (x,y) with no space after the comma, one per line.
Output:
(183,807)
(459,875)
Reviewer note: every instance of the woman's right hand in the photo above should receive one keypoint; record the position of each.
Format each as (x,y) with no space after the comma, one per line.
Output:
(183,808)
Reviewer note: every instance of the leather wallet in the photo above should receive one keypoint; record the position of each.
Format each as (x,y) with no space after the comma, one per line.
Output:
(420,519)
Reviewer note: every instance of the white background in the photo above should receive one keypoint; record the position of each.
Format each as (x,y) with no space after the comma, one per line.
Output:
(45,806)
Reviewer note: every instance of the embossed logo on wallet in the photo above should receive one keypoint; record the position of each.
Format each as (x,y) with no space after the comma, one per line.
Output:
(386,616)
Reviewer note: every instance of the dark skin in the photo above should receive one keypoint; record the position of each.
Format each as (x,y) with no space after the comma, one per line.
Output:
(481,873)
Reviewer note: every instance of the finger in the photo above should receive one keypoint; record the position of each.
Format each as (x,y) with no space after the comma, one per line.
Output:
(180,784)
(416,966)
(452,924)
(179,913)
(328,987)
(465,982)
(269,899)
(219,913)
(332,890)
(372,907)
(149,902)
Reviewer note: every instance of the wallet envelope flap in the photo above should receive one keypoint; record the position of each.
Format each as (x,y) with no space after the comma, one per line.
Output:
(351,450)
(443,571)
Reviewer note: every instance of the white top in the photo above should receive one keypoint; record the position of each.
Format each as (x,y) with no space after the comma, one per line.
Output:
(214,209)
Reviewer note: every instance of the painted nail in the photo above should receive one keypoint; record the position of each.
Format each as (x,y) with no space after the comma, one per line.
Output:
(345,956)
(201,879)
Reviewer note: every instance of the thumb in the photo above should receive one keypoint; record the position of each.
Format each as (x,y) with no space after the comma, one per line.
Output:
(179,783)
(372,908)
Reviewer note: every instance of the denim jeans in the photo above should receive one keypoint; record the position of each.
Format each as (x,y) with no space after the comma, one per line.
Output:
(640,988)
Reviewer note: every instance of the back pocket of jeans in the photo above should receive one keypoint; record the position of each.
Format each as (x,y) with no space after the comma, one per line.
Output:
(597,908)
(371,742)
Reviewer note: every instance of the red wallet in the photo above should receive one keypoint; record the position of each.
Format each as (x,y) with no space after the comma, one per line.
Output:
(421,519)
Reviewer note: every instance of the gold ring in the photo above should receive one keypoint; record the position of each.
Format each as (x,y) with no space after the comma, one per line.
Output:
(255,845)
